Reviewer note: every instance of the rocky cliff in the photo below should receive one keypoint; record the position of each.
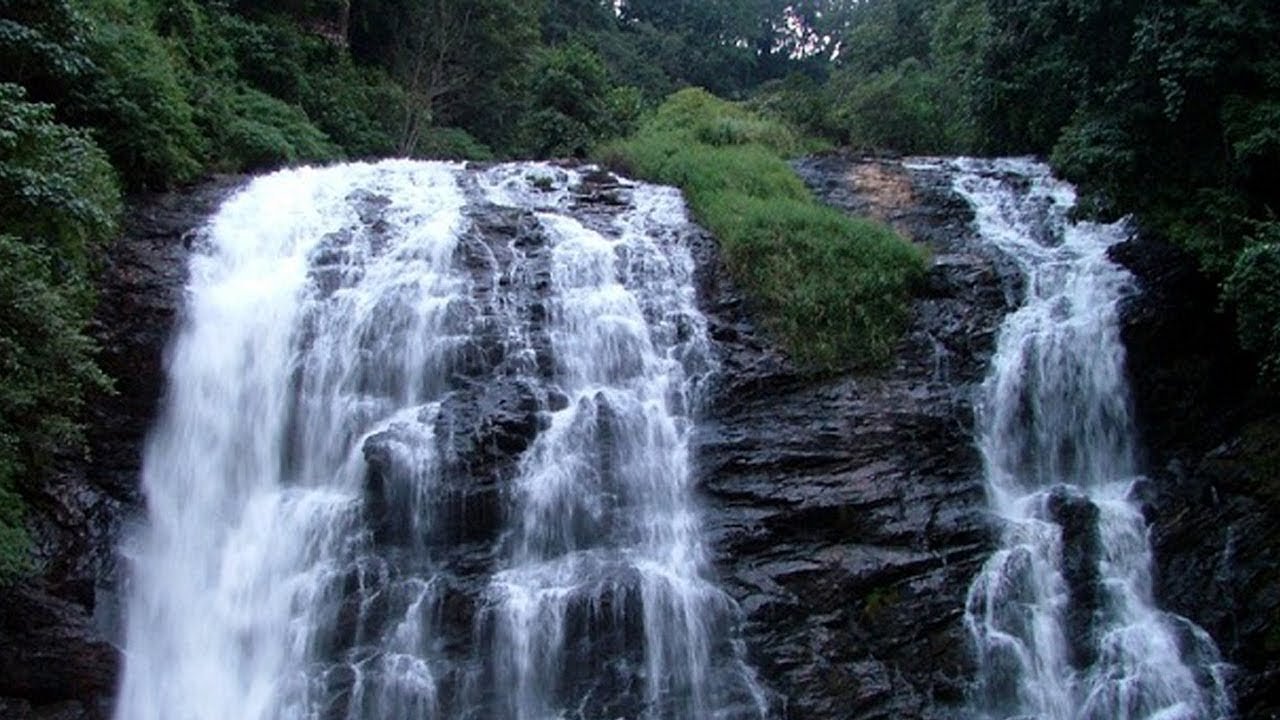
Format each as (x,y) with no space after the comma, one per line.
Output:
(847,512)
(1213,459)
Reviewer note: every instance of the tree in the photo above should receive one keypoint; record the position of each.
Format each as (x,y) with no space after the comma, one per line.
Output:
(461,62)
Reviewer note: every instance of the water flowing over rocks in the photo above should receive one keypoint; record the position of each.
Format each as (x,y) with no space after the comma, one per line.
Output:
(844,516)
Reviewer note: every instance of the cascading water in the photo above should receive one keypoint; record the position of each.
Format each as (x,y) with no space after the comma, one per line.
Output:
(425,455)
(1062,616)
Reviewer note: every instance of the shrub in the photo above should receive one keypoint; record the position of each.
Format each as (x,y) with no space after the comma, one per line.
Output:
(360,109)
(573,106)
(835,290)
(897,109)
(253,131)
(451,144)
(136,102)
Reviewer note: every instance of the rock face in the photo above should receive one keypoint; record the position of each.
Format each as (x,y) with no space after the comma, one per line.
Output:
(56,658)
(1213,443)
(848,511)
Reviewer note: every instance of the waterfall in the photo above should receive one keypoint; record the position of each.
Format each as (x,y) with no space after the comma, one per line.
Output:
(1062,615)
(425,454)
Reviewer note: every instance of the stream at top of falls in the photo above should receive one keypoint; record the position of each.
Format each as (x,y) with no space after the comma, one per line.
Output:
(1062,616)
(424,453)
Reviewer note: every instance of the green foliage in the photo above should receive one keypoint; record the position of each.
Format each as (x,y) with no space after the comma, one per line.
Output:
(58,203)
(798,101)
(1254,288)
(898,108)
(570,97)
(880,35)
(360,109)
(709,120)
(903,80)
(42,45)
(835,290)
(462,63)
(135,100)
(254,131)
(177,88)
(442,143)
(959,33)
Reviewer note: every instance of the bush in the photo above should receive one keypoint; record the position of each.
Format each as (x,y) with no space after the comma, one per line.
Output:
(360,109)
(439,143)
(254,131)
(798,100)
(707,119)
(136,102)
(835,290)
(573,105)
(896,109)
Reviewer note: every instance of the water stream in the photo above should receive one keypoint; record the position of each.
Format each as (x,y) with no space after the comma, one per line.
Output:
(1063,616)
(424,454)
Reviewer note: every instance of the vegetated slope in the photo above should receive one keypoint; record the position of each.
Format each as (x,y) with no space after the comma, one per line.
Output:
(834,289)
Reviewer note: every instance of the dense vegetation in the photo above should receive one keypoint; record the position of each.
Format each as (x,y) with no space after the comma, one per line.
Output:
(834,289)
(1168,109)
(1165,109)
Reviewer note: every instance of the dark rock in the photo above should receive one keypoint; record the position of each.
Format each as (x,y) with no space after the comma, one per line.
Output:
(1213,458)
(848,513)
(1190,386)
(1082,551)
(53,662)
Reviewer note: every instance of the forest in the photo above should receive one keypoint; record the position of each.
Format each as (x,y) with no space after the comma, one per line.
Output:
(1166,110)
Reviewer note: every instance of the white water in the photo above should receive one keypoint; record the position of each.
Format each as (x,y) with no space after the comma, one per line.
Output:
(1057,639)
(267,584)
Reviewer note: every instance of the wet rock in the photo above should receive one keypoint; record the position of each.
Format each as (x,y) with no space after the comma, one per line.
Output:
(483,426)
(1082,551)
(54,663)
(847,513)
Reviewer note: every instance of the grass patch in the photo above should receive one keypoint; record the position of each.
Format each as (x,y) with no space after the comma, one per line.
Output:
(834,290)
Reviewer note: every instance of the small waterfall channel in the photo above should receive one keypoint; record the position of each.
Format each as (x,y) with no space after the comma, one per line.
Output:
(425,454)
(1062,616)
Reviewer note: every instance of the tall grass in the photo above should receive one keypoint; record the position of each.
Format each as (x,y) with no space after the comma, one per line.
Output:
(834,290)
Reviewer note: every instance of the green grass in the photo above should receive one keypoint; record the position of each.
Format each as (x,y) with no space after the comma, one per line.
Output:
(834,290)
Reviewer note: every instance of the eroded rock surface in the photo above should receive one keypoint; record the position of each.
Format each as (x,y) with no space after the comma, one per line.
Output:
(848,512)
